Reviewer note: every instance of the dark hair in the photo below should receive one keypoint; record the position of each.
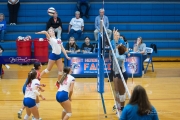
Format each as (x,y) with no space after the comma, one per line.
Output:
(125,40)
(86,37)
(37,65)
(65,73)
(140,98)
(74,44)
(121,49)
(141,39)
(31,75)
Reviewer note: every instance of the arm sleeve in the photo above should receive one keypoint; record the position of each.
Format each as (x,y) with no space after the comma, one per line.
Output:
(144,47)
(35,90)
(107,24)
(96,24)
(60,23)
(82,24)
(92,48)
(71,22)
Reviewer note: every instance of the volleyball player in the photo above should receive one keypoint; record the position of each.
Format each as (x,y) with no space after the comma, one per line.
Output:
(37,67)
(31,92)
(55,56)
(119,48)
(64,93)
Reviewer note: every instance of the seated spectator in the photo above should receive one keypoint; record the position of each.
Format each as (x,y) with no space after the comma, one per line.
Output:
(139,107)
(76,26)
(97,24)
(13,6)
(86,3)
(55,22)
(2,26)
(140,47)
(72,47)
(87,46)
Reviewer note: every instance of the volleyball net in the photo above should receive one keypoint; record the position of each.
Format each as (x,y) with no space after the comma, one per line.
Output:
(104,44)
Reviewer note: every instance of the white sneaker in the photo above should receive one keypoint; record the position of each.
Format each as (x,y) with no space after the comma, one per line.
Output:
(11,23)
(14,23)
(7,66)
(143,72)
(20,114)
(35,119)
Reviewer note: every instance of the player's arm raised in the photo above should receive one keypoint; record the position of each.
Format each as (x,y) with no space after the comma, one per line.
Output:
(45,33)
(64,51)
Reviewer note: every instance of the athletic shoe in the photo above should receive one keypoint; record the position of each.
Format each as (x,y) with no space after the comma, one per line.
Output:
(11,23)
(57,84)
(35,119)
(114,108)
(7,66)
(20,114)
(143,72)
(14,23)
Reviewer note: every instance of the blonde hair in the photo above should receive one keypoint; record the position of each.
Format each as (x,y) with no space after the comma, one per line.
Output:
(1,14)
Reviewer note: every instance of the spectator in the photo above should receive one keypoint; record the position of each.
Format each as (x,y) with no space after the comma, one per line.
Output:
(85,3)
(87,46)
(140,47)
(72,47)
(97,24)
(55,22)
(76,26)
(13,6)
(139,107)
(2,26)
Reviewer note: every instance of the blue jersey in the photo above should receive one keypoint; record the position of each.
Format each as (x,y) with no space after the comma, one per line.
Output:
(130,113)
(114,43)
(24,87)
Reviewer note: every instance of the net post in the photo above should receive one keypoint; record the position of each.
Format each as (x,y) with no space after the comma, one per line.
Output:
(100,70)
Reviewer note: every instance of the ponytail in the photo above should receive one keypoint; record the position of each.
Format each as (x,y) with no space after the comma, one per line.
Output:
(64,76)
(31,75)
(66,71)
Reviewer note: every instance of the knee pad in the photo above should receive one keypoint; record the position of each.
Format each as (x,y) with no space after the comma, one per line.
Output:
(37,104)
(64,110)
(122,98)
(26,117)
(69,114)
(60,73)
(46,71)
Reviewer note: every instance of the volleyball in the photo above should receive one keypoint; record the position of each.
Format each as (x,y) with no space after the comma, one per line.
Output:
(51,11)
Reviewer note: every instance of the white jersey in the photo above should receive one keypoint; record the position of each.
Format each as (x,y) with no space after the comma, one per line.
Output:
(32,90)
(76,23)
(55,44)
(66,83)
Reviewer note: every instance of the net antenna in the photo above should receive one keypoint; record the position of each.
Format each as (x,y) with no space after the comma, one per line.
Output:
(111,48)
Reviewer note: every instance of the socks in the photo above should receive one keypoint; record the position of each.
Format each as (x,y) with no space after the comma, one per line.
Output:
(26,117)
(37,104)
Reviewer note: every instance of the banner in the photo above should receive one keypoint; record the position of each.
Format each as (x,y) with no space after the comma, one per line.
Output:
(87,65)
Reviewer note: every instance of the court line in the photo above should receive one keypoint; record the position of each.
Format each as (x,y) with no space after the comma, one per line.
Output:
(97,99)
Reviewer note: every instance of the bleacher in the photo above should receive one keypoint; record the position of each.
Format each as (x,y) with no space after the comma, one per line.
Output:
(156,22)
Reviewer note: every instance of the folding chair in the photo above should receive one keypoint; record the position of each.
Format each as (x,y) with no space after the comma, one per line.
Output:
(148,60)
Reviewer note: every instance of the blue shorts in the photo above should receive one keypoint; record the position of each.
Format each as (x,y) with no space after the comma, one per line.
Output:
(29,102)
(55,57)
(62,96)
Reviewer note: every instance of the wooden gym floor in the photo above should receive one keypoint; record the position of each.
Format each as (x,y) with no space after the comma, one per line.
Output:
(162,86)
